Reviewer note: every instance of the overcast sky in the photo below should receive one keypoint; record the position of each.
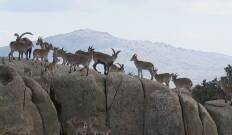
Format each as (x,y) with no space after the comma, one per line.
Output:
(195,24)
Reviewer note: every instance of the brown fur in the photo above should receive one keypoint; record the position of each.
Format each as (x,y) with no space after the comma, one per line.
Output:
(42,53)
(163,78)
(182,82)
(105,59)
(143,65)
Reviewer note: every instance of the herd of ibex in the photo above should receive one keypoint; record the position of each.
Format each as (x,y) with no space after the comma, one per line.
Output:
(24,45)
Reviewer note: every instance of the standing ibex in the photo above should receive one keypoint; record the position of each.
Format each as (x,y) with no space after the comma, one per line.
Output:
(226,86)
(27,41)
(115,68)
(80,59)
(21,45)
(105,59)
(143,65)
(182,82)
(162,78)
(62,53)
(42,53)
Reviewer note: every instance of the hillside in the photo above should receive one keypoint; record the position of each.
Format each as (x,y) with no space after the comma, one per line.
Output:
(190,63)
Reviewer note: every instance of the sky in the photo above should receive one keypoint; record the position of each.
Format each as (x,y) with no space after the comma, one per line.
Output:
(204,25)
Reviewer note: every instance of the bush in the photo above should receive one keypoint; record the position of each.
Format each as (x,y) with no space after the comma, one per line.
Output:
(210,90)
(207,91)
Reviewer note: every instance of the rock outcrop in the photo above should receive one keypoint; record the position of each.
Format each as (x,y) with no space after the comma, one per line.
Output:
(25,108)
(222,115)
(126,104)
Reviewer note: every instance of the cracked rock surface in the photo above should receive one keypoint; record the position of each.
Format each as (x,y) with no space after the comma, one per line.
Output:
(126,104)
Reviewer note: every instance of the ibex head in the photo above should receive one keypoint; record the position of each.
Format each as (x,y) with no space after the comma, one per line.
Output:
(155,71)
(174,76)
(39,41)
(121,67)
(91,49)
(134,57)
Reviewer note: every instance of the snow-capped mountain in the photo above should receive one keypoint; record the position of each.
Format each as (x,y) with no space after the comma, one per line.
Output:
(196,65)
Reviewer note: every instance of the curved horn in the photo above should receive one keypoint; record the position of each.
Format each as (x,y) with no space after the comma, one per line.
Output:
(119,64)
(113,50)
(118,52)
(25,33)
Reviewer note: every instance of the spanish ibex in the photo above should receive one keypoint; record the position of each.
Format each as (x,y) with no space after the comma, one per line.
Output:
(63,54)
(42,53)
(182,82)
(20,45)
(115,68)
(143,65)
(226,86)
(162,78)
(104,59)
(27,41)
(80,59)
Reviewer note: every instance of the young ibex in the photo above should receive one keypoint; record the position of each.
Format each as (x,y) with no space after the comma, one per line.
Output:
(182,82)
(115,68)
(41,43)
(226,86)
(105,59)
(42,53)
(143,65)
(162,78)
(27,41)
(80,59)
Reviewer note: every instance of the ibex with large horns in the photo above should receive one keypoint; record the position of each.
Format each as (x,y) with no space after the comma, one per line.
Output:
(22,45)
(105,59)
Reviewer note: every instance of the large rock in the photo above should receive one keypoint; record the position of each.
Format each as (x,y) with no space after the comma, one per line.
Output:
(197,121)
(79,97)
(126,104)
(25,109)
(163,115)
(125,98)
(222,115)
(209,126)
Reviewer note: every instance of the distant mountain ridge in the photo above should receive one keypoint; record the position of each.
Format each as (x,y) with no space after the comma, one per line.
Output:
(197,65)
